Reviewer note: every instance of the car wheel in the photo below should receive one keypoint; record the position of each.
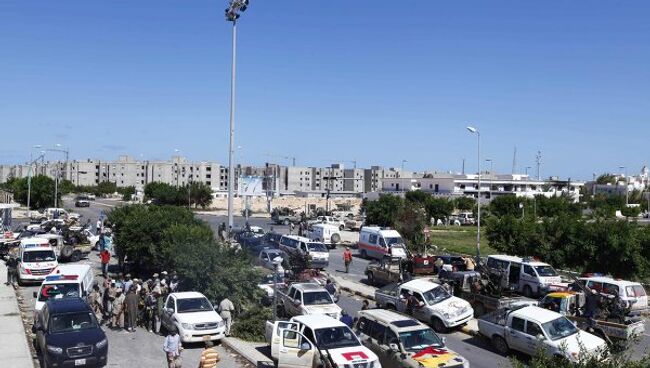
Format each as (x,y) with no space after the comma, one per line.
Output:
(364,254)
(76,256)
(500,345)
(286,222)
(528,292)
(390,307)
(371,278)
(336,238)
(438,325)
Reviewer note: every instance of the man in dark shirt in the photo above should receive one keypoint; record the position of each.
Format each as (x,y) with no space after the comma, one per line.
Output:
(12,271)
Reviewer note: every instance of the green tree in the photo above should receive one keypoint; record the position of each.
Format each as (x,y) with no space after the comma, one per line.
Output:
(555,206)
(410,220)
(629,211)
(127,192)
(464,203)
(606,178)
(417,196)
(200,194)
(66,187)
(42,191)
(439,208)
(382,212)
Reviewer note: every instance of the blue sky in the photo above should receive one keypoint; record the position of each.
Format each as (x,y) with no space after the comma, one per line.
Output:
(376,81)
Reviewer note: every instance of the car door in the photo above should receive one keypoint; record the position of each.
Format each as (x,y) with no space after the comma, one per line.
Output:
(296,351)
(401,300)
(533,342)
(517,337)
(40,333)
(168,312)
(529,277)
(274,335)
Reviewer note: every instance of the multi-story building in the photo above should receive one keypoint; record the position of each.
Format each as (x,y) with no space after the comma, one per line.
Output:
(492,185)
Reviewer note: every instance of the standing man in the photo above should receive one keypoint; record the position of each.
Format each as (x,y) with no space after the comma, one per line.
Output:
(209,356)
(131,307)
(94,300)
(172,347)
(105,257)
(118,310)
(347,259)
(12,270)
(98,227)
(128,283)
(225,311)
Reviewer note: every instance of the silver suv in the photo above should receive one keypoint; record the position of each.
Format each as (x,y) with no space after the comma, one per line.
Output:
(401,341)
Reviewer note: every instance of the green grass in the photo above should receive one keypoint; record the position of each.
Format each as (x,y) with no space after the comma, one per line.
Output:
(459,240)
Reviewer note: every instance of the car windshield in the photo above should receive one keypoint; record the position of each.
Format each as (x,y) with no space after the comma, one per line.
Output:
(317,247)
(545,271)
(336,338)
(559,328)
(395,240)
(436,295)
(39,256)
(317,298)
(52,291)
(193,305)
(70,322)
(414,341)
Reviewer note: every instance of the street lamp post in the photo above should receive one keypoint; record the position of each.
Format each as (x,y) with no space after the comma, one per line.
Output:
(235,8)
(56,178)
(478,161)
(491,176)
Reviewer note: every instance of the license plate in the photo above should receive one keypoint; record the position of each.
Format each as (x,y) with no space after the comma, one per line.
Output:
(79,362)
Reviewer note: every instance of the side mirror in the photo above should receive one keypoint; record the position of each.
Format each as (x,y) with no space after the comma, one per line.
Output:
(35,294)
(305,346)
(169,310)
(393,347)
(541,337)
(297,302)
(444,341)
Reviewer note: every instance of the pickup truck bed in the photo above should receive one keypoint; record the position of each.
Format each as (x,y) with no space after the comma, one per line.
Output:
(484,303)
(612,329)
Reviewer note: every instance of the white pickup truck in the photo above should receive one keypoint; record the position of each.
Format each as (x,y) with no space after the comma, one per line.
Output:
(307,298)
(434,303)
(531,328)
(194,317)
(317,341)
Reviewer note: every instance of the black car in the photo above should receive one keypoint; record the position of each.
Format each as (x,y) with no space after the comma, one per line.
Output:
(68,335)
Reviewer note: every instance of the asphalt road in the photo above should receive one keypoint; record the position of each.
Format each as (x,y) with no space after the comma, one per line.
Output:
(140,349)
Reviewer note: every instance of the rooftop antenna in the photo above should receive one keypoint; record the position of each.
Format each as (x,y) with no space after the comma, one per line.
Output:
(538,161)
(463,172)
(514,161)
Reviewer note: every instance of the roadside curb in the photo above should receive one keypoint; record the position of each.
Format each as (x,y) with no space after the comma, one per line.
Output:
(244,351)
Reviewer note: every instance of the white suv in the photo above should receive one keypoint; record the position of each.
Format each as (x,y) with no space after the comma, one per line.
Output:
(194,316)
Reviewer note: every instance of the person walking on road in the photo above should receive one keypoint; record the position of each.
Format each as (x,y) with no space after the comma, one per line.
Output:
(209,356)
(225,311)
(172,348)
(131,308)
(105,257)
(347,259)
(12,271)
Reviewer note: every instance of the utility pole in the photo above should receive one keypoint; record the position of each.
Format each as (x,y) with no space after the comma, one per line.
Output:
(514,161)
(538,160)
(235,8)
(478,160)
(463,171)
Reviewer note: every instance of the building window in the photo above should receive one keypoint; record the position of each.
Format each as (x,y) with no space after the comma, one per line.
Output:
(437,188)
(208,182)
(208,176)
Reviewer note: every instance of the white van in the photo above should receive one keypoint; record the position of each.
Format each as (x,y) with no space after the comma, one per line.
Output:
(36,259)
(65,281)
(629,291)
(327,234)
(525,275)
(317,253)
(375,242)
